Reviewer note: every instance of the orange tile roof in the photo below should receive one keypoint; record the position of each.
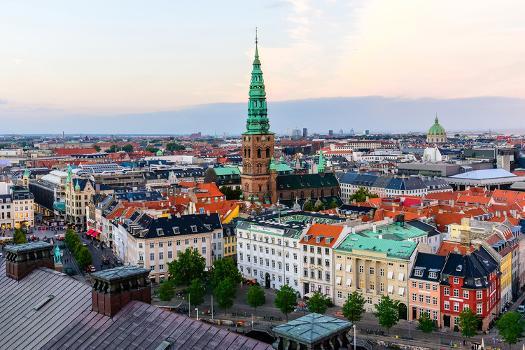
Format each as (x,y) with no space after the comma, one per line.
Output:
(454,247)
(442,196)
(325,231)
(473,199)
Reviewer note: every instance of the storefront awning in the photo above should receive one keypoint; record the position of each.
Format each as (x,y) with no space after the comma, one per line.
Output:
(93,233)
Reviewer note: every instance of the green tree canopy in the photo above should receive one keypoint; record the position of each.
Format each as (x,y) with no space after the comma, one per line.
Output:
(468,323)
(361,194)
(166,290)
(425,324)
(113,148)
(318,303)
(231,194)
(173,146)
(285,300)
(152,149)
(387,312)
(188,266)
(224,269)
(127,148)
(255,296)
(224,293)
(72,241)
(354,307)
(83,257)
(19,236)
(97,148)
(510,327)
(309,206)
(197,290)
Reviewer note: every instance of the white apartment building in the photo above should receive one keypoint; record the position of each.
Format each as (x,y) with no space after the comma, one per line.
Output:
(268,252)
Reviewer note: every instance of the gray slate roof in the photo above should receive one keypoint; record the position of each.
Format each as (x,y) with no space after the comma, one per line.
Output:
(32,320)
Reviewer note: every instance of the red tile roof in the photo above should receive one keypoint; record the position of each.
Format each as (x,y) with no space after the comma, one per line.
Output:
(324,231)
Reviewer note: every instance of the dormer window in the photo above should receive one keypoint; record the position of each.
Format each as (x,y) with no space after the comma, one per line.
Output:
(193,228)
(176,230)
(432,275)
(160,232)
(418,272)
(477,282)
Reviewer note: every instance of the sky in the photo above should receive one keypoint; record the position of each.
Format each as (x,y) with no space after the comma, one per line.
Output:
(97,58)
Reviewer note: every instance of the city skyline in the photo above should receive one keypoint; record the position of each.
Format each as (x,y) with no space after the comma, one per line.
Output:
(106,61)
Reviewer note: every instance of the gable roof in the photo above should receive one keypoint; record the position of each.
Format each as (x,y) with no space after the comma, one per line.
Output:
(306,181)
(427,263)
(326,234)
(31,319)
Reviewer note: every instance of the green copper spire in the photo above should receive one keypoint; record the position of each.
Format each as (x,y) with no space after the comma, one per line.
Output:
(272,165)
(69,174)
(322,163)
(257,122)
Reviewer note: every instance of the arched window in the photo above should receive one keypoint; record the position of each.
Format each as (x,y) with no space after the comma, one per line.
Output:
(312,194)
(268,153)
(322,193)
(332,192)
(249,152)
(292,195)
(245,152)
(302,195)
(259,153)
(260,188)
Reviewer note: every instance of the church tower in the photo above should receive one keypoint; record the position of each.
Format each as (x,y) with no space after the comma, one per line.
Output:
(257,141)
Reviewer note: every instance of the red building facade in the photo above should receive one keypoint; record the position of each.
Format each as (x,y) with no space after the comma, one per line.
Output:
(470,281)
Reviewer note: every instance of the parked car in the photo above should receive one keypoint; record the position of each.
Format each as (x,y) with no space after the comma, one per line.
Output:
(91,268)
(521,309)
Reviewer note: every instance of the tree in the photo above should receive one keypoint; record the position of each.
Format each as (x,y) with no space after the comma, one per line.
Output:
(231,194)
(468,323)
(354,307)
(97,148)
(127,148)
(166,291)
(224,293)
(387,312)
(255,296)
(113,148)
(285,300)
(83,257)
(510,327)
(224,269)
(72,241)
(152,149)
(308,206)
(426,325)
(197,290)
(333,204)
(318,303)
(19,237)
(173,146)
(361,195)
(189,265)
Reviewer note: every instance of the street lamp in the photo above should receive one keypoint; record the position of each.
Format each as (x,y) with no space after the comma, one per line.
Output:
(197,309)
(355,336)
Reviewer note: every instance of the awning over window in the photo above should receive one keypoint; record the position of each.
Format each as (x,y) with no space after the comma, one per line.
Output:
(93,233)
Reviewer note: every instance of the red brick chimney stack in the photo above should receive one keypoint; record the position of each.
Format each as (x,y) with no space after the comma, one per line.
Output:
(22,259)
(114,288)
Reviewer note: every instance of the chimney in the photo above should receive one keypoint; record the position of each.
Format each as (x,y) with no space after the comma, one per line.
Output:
(22,259)
(113,289)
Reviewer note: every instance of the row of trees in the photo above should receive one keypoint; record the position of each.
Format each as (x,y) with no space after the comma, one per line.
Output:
(311,205)
(80,252)
(231,194)
(190,270)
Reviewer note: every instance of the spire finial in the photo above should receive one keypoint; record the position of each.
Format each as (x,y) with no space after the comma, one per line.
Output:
(436,117)
(256,47)
(256,41)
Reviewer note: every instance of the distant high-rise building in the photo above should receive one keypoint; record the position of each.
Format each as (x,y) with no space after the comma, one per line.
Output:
(367,132)
(296,134)
(330,132)
(305,132)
